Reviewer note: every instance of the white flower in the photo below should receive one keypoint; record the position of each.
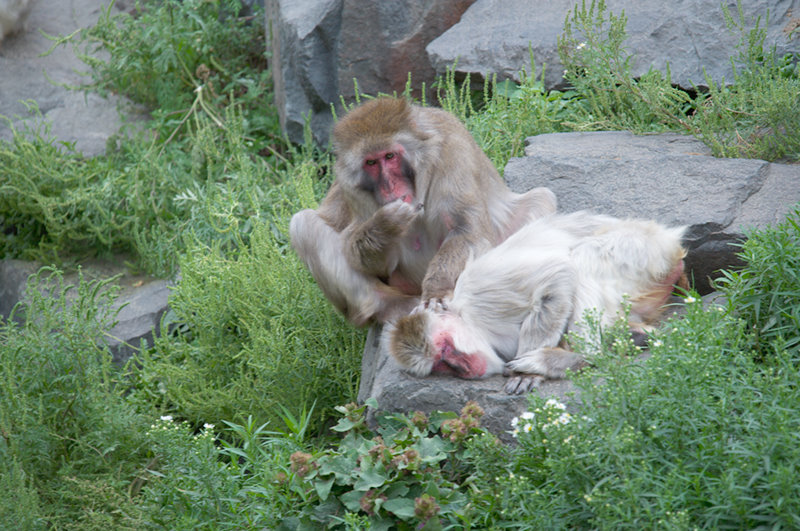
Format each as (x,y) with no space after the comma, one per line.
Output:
(528,428)
(514,422)
(528,415)
(689,300)
(166,418)
(208,426)
(581,46)
(657,343)
(564,418)
(552,402)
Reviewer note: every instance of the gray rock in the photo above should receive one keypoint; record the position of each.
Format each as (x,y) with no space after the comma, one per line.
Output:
(318,47)
(495,36)
(668,177)
(27,73)
(397,391)
(137,308)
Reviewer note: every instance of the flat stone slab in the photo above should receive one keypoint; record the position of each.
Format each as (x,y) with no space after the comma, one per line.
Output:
(671,178)
(83,120)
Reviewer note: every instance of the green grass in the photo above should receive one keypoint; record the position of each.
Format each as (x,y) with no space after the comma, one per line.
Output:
(212,426)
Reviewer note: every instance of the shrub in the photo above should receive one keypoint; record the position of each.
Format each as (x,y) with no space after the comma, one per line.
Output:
(70,444)
(765,292)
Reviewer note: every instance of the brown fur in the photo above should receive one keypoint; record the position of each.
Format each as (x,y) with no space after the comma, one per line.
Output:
(460,208)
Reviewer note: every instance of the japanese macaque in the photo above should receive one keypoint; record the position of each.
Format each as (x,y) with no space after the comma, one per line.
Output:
(413,197)
(13,14)
(512,306)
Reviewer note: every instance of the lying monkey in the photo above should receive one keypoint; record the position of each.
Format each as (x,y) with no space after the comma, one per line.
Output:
(512,305)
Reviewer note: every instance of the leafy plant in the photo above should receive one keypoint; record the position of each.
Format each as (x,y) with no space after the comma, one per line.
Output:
(411,475)
(765,292)
(507,113)
(69,444)
(598,68)
(757,115)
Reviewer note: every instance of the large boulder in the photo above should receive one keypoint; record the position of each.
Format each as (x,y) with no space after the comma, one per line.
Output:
(495,36)
(668,177)
(28,74)
(137,309)
(319,47)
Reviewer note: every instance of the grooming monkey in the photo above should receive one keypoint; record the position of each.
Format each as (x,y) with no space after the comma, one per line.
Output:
(512,306)
(413,197)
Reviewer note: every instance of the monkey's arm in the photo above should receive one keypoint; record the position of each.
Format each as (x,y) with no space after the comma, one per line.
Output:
(372,245)
(448,263)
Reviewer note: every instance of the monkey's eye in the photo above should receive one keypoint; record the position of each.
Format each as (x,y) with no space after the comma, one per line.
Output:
(370,162)
(389,156)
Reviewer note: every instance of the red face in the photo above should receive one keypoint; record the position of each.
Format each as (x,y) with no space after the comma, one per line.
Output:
(449,360)
(390,174)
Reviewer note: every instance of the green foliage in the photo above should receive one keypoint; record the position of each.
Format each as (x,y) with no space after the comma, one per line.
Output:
(758,114)
(412,475)
(70,445)
(508,113)
(259,332)
(598,68)
(167,54)
(696,436)
(765,293)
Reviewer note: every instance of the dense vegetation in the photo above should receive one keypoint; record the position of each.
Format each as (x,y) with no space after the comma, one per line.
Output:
(237,418)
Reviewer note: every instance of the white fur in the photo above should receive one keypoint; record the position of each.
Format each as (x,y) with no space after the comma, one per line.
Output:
(522,296)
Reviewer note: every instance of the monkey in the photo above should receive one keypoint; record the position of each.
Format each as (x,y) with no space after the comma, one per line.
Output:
(512,306)
(413,196)
(13,15)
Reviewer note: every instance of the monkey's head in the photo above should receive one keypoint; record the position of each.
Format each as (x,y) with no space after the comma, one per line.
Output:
(428,342)
(378,150)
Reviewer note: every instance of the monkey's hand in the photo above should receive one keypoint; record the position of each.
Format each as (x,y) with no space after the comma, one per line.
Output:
(396,217)
(372,246)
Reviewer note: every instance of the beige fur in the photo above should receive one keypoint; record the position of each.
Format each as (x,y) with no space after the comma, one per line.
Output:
(373,260)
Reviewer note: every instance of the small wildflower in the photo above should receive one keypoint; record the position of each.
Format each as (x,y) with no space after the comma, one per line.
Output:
(689,300)
(208,426)
(367,501)
(581,46)
(166,418)
(528,428)
(552,402)
(528,415)
(425,507)
(302,463)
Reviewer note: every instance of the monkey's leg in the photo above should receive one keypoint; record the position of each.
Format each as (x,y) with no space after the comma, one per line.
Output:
(533,204)
(552,307)
(358,296)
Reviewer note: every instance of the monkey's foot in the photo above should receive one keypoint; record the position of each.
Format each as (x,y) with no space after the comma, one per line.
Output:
(519,383)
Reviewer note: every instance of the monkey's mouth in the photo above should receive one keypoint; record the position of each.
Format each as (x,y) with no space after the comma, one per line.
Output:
(454,362)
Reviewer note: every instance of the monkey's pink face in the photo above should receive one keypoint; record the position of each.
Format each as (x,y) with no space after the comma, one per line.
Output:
(455,352)
(391,174)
